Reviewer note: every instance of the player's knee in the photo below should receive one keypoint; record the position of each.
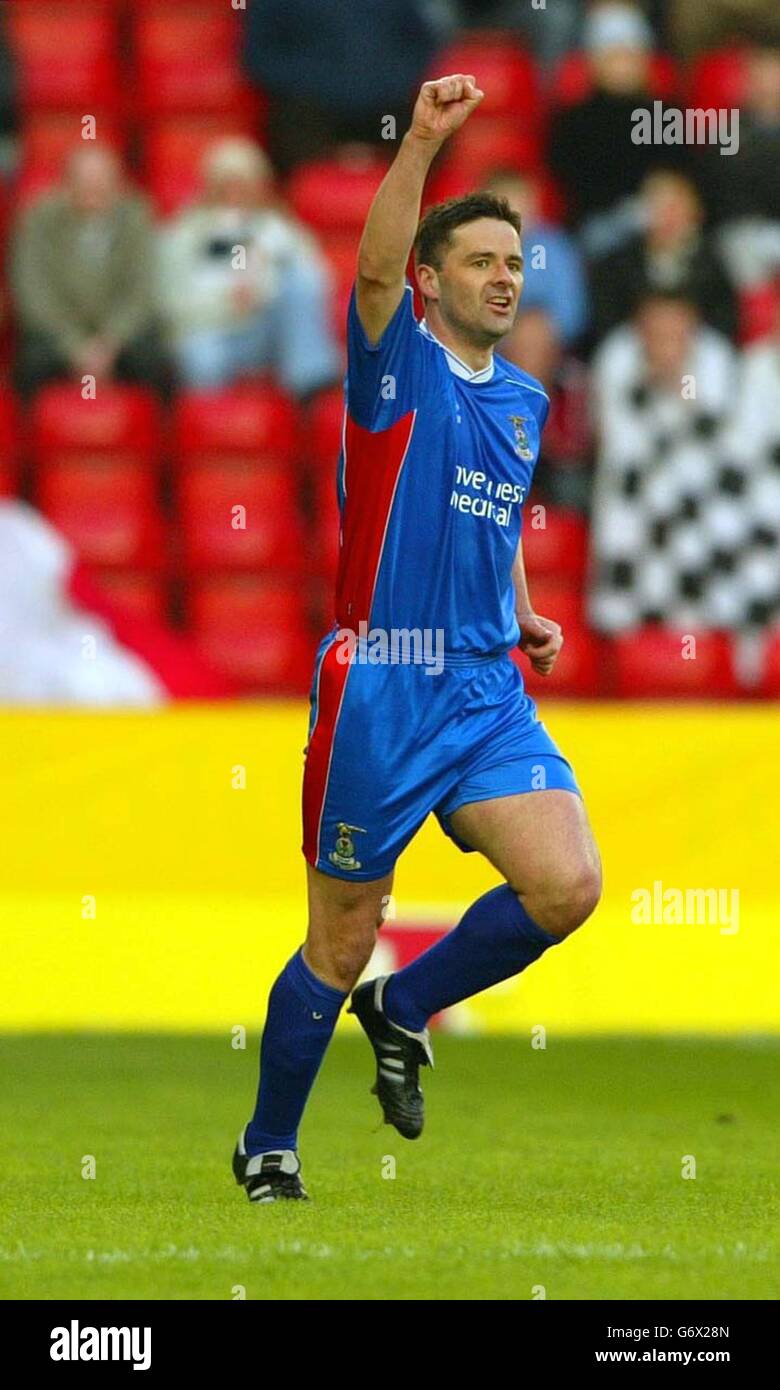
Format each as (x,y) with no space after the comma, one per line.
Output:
(570,902)
(582,898)
(340,962)
(340,941)
(349,957)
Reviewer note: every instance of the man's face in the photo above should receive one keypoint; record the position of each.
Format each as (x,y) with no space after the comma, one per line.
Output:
(237,191)
(93,181)
(671,206)
(667,331)
(763,95)
(478,286)
(620,70)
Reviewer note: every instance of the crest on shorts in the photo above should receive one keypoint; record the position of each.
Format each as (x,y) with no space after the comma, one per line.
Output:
(343,856)
(522,442)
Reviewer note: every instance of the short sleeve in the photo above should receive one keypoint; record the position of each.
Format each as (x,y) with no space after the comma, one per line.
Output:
(543,412)
(385,379)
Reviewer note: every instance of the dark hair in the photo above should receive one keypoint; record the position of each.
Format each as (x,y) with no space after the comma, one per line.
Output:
(434,234)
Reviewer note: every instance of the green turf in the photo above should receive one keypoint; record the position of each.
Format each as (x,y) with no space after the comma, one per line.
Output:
(559,1168)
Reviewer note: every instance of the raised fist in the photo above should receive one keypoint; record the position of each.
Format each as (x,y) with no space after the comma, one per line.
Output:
(443,105)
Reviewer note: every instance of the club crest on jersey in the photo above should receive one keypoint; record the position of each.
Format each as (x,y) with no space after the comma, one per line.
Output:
(522,443)
(343,856)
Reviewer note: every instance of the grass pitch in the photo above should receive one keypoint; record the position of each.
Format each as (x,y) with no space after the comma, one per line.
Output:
(559,1168)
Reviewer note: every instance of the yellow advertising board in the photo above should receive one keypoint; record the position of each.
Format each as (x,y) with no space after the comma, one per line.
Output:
(152,875)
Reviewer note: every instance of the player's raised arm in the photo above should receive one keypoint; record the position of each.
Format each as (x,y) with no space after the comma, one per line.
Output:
(440,109)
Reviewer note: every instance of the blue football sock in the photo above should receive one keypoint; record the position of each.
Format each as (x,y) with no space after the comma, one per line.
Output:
(494,940)
(302,1014)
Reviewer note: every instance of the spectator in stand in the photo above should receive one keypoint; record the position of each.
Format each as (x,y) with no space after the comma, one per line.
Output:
(244,287)
(554,277)
(676,534)
(42,630)
(695,27)
(8,105)
(755,447)
(550,31)
(8,154)
(334,72)
(671,253)
(591,149)
(82,279)
(743,192)
(758,414)
(747,184)
(563,474)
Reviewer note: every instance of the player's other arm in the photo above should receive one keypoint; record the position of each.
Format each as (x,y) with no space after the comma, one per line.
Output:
(391,225)
(540,638)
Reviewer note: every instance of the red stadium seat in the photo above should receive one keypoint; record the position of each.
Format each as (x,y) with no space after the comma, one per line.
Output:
(505,72)
(334,195)
(326,525)
(255,630)
(552,198)
(107,510)
(325,430)
(557,549)
(9,444)
(579,671)
(96,471)
(266,534)
(47,137)
(770,680)
(187,60)
(493,142)
(138,595)
(572,81)
(561,600)
(447,181)
(718,78)
(257,423)
(140,5)
(651,663)
(341,253)
(67,55)
(174,151)
(122,424)
(9,479)
(759,308)
(323,448)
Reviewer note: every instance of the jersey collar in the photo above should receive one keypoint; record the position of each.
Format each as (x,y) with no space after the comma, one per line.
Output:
(455,364)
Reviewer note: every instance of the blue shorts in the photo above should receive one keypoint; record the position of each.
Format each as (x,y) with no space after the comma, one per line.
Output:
(388,744)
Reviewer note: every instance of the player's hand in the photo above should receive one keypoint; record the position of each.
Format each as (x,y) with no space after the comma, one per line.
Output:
(443,105)
(541,639)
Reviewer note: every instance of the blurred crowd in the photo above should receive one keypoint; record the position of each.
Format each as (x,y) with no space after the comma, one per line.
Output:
(230,287)
(650,307)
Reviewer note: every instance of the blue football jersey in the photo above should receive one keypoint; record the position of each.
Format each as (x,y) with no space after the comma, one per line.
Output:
(436,463)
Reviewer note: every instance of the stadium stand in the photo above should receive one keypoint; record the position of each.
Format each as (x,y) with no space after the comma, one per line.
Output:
(147,490)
